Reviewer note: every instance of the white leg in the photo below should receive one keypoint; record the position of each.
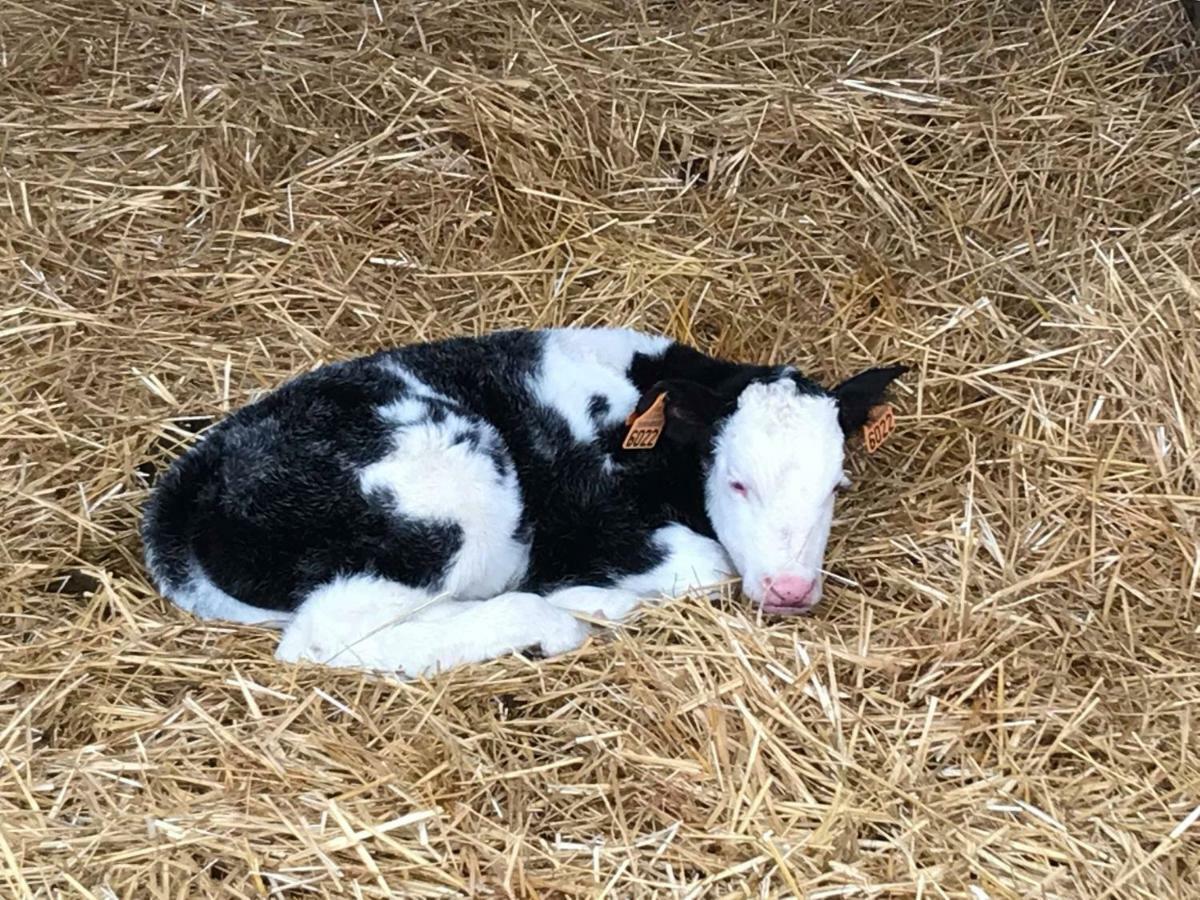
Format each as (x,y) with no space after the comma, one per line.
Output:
(484,630)
(419,639)
(613,604)
(693,563)
(343,623)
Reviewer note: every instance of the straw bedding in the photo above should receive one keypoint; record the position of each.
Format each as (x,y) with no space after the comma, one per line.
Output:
(998,698)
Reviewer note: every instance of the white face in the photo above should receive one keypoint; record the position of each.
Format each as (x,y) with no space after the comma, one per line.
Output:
(777,465)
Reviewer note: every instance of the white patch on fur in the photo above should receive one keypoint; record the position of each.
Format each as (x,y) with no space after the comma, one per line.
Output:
(406,411)
(204,599)
(370,623)
(693,563)
(581,363)
(433,477)
(786,447)
(414,384)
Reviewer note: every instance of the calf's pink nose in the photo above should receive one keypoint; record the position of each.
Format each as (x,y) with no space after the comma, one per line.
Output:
(788,590)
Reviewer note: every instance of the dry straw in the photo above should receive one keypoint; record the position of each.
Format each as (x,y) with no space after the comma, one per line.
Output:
(201,197)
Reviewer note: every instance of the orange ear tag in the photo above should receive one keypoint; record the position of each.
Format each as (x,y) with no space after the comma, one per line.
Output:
(881,422)
(646,429)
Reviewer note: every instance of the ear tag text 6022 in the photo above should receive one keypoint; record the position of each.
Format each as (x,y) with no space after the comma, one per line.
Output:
(646,429)
(881,422)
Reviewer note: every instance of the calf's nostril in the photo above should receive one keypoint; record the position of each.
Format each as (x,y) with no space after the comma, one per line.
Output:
(788,590)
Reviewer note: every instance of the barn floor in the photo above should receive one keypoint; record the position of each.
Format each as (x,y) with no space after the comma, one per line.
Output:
(999,696)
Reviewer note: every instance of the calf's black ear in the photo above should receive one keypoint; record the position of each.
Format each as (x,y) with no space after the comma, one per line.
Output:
(857,395)
(691,409)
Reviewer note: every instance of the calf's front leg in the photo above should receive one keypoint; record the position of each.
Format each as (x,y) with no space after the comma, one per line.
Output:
(691,563)
(370,623)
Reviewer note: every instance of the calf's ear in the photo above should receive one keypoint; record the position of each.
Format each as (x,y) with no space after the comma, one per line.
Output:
(691,409)
(855,396)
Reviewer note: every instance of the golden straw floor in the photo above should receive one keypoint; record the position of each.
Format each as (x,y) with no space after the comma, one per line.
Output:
(999,697)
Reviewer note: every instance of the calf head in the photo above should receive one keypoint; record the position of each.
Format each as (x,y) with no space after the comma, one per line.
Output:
(771,446)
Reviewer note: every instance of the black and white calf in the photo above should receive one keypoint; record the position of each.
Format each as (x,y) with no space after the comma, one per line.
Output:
(450,502)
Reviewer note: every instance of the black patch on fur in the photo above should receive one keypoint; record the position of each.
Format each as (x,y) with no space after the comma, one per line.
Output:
(598,407)
(471,437)
(436,412)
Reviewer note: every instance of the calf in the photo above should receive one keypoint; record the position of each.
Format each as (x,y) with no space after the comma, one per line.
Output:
(449,502)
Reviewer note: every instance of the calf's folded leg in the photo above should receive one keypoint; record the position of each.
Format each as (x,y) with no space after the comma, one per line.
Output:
(370,623)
